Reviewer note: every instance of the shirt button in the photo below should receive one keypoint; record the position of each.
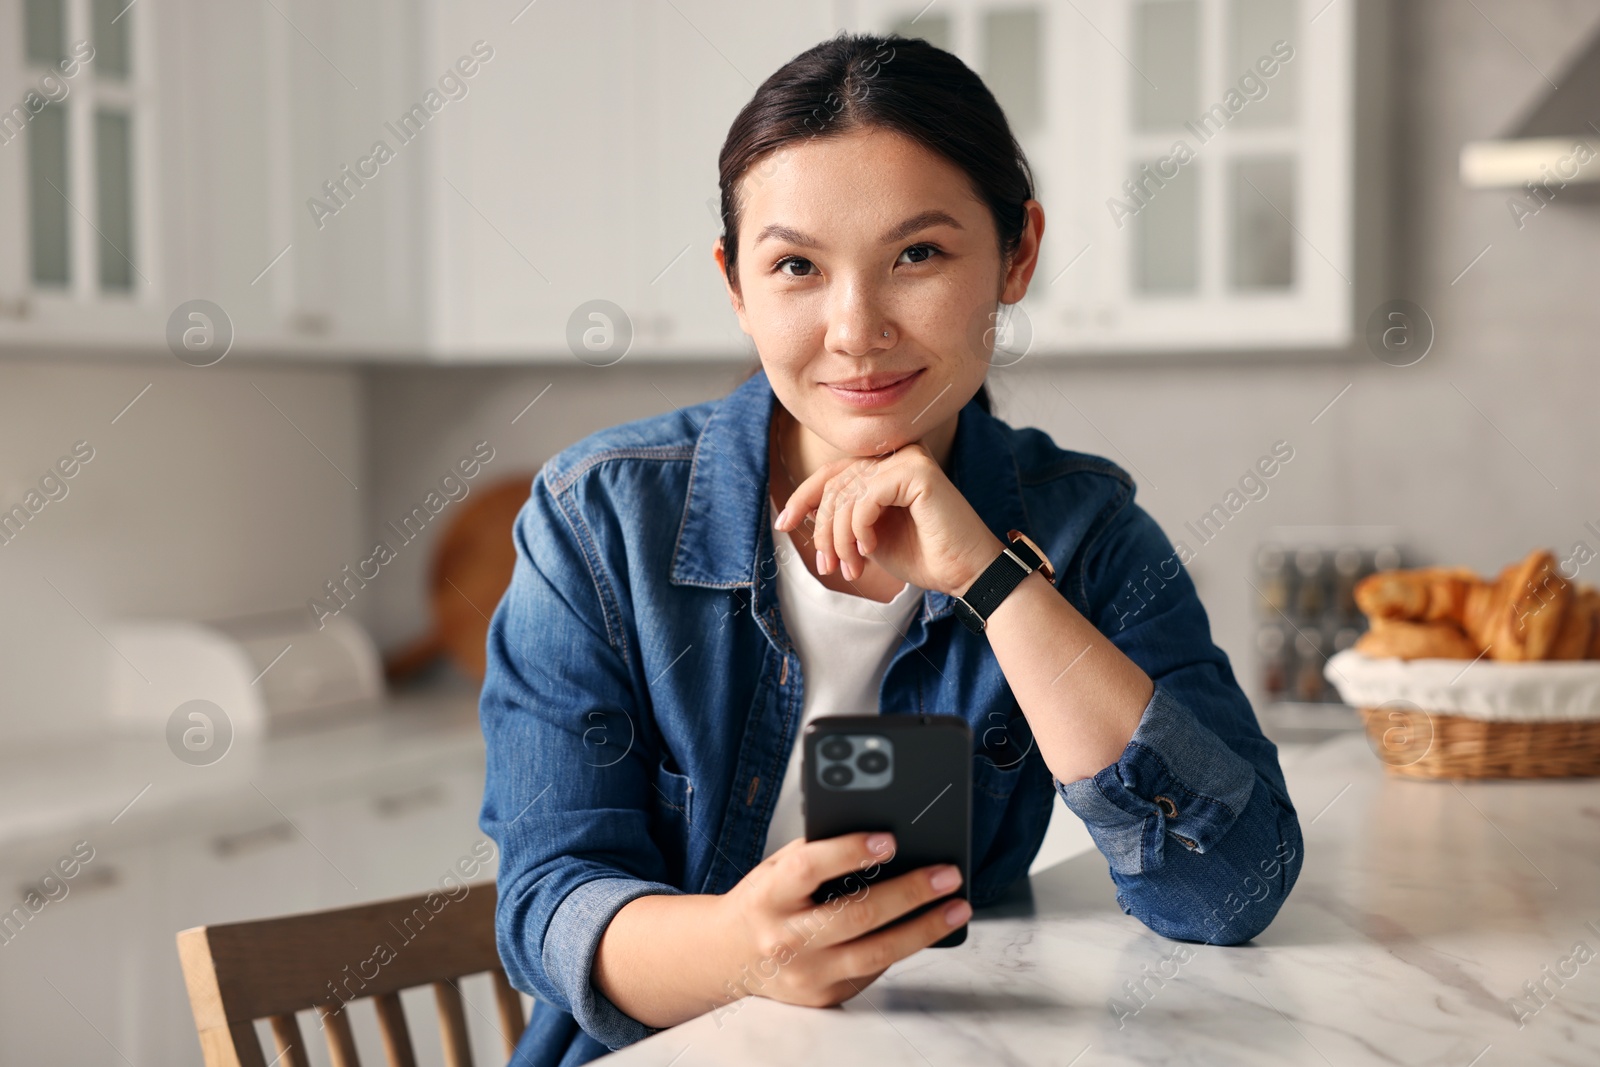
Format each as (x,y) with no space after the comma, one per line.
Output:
(1168,808)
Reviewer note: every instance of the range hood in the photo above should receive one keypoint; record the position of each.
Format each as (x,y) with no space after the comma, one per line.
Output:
(1557,141)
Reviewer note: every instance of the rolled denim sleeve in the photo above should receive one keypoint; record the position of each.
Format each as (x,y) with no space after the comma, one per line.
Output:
(1174,777)
(570,765)
(1194,817)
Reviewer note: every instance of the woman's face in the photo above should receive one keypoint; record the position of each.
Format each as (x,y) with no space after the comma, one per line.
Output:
(845,238)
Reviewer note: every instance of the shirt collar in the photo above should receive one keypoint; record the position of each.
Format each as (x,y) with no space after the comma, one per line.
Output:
(725,513)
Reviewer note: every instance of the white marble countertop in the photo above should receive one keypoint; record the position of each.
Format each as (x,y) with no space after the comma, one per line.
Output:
(49,792)
(1422,910)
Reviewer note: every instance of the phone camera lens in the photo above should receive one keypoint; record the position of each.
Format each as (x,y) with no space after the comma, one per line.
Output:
(872,763)
(837,775)
(835,748)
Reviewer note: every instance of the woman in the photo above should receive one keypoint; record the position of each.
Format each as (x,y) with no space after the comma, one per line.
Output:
(661,643)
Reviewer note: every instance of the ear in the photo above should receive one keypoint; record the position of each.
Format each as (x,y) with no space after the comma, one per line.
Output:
(734,299)
(1026,258)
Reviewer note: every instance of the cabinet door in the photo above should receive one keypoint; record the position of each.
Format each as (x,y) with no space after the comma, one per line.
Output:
(1226,194)
(347,168)
(256,864)
(80,140)
(703,63)
(402,838)
(73,976)
(534,226)
(183,160)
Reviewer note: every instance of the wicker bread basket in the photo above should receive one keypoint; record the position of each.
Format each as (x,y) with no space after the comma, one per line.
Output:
(1443,718)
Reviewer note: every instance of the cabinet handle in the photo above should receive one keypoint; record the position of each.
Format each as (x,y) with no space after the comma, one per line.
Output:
(395,805)
(86,880)
(245,841)
(92,878)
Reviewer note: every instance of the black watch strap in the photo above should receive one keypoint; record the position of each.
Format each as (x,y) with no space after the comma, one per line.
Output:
(1014,563)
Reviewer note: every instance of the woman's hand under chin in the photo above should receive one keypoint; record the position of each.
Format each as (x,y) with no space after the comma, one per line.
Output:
(903,511)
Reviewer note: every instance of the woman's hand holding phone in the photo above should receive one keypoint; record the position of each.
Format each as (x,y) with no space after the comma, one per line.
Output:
(819,955)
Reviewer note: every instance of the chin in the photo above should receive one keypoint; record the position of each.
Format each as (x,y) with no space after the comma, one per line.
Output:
(871,439)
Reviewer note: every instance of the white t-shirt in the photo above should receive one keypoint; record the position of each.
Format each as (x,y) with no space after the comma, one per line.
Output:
(845,643)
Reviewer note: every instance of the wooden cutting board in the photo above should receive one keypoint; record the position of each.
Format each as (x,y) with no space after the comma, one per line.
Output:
(470,569)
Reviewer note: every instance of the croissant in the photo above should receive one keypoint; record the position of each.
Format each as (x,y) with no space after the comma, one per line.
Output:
(1416,640)
(1424,594)
(1529,612)
(1592,596)
(1524,619)
(1572,641)
(1485,601)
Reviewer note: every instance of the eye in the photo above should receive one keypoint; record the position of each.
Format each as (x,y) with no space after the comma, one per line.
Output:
(928,252)
(778,267)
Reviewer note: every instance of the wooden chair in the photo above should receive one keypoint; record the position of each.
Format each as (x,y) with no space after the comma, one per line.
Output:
(271,968)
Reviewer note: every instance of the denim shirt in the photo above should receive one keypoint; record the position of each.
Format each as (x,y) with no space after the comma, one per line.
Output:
(642,697)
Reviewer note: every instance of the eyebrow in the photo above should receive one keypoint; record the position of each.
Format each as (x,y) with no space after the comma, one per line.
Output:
(914,224)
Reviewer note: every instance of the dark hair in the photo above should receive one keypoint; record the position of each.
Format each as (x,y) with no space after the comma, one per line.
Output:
(903,84)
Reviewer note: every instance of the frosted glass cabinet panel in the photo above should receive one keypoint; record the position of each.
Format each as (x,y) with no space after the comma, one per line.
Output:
(48,254)
(44,31)
(111,41)
(1261,212)
(1166,233)
(113,164)
(1254,26)
(1164,69)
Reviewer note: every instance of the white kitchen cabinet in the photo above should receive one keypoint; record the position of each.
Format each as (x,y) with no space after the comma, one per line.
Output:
(528,194)
(70,975)
(470,182)
(280,104)
(539,211)
(702,63)
(402,838)
(108,944)
(80,111)
(176,165)
(1193,200)
(351,847)
(282,99)
(546,189)
(252,865)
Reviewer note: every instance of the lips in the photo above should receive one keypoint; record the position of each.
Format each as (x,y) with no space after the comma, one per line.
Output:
(876,391)
(872,381)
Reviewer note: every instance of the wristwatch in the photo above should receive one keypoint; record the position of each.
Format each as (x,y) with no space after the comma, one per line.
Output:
(1014,563)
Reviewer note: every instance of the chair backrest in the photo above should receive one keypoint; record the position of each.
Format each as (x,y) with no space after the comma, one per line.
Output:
(271,968)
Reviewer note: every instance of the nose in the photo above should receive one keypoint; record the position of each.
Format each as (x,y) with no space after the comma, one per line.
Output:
(858,324)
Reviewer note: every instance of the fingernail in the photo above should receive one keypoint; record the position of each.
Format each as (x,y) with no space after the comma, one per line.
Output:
(859,548)
(783,517)
(945,878)
(957,913)
(880,842)
(822,562)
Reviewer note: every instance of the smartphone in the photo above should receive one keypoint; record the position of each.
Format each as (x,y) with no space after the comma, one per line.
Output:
(908,774)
